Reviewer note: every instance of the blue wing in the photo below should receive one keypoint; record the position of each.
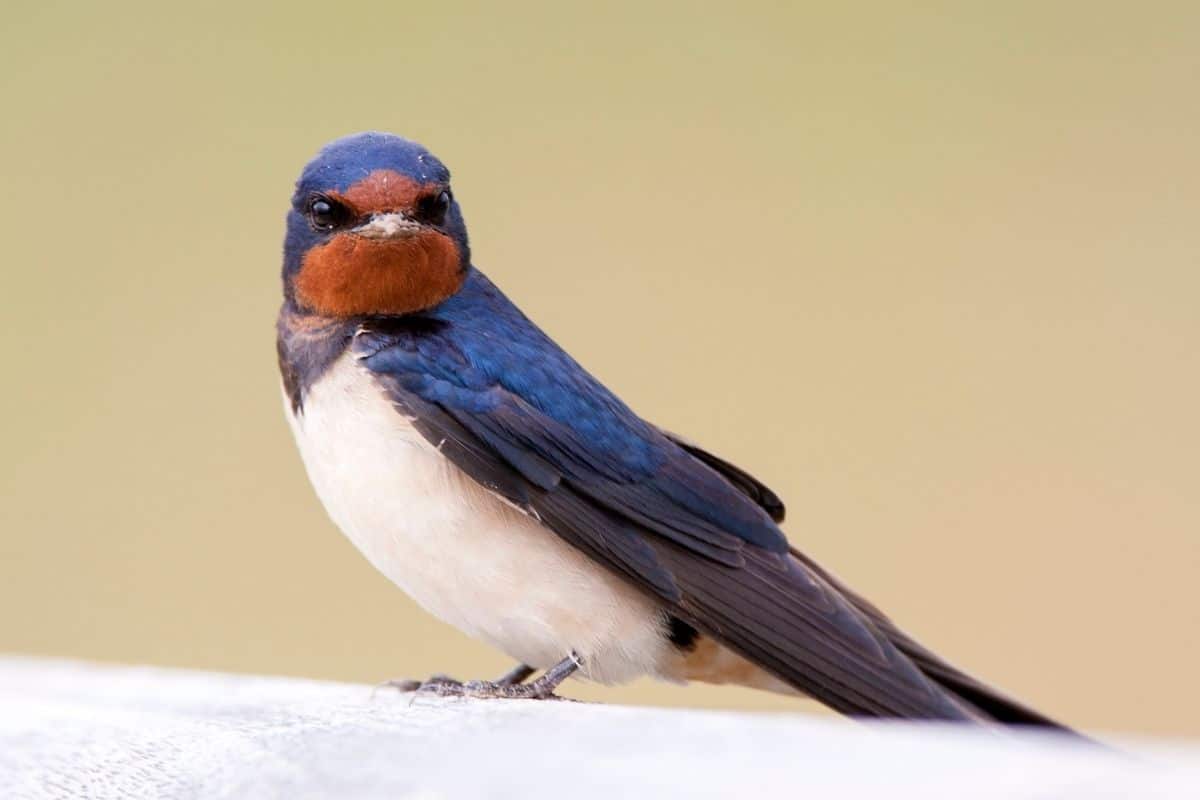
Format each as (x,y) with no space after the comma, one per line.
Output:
(519,416)
(478,358)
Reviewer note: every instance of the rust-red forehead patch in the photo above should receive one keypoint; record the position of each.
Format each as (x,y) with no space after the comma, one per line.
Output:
(386,190)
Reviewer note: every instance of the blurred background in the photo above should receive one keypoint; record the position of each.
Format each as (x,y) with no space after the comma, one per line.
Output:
(933,274)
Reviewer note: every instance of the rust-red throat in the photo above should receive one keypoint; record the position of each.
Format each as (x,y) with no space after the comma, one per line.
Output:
(351,275)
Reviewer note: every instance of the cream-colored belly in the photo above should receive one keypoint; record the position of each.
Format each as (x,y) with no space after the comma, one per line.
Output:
(458,550)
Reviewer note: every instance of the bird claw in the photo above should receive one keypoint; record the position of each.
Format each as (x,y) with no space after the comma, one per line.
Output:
(509,687)
(428,686)
(443,686)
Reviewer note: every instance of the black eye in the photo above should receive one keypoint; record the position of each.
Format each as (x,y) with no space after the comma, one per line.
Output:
(433,209)
(325,214)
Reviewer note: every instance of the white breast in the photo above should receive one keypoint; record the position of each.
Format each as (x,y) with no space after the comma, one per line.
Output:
(457,549)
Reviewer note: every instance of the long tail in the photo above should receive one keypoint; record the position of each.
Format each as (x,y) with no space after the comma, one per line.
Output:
(991,703)
(966,698)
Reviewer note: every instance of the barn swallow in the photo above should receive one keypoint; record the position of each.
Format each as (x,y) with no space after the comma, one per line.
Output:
(506,490)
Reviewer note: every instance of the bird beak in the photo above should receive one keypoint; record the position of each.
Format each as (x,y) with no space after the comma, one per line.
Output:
(391,225)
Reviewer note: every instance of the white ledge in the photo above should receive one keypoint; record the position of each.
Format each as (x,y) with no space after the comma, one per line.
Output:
(70,730)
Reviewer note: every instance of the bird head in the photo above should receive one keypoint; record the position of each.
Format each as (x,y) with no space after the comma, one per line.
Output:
(374,229)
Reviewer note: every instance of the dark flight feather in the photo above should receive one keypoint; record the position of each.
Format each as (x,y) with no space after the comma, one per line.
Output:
(517,415)
(746,483)
(987,699)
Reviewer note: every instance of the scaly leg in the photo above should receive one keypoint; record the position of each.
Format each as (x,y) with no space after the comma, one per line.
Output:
(509,687)
(514,676)
(518,674)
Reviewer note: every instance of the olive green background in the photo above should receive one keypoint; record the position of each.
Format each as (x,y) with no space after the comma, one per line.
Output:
(932,271)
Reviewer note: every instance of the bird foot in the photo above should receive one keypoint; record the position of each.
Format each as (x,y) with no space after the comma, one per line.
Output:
(442,686)
(509,687)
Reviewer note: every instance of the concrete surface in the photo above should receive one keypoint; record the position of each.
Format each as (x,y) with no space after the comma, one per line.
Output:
(75,730)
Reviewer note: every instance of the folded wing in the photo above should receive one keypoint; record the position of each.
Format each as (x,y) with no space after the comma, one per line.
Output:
(671,521)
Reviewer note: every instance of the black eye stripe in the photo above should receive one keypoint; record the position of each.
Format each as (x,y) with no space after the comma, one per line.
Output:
(325,214)
(432,209)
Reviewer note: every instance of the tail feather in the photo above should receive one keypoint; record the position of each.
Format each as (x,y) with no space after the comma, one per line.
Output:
(976,699)
(990,702)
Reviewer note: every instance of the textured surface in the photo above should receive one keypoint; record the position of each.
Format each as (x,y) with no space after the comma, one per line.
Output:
(74,730)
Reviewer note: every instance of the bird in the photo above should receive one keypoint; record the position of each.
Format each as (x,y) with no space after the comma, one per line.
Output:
(509,493)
